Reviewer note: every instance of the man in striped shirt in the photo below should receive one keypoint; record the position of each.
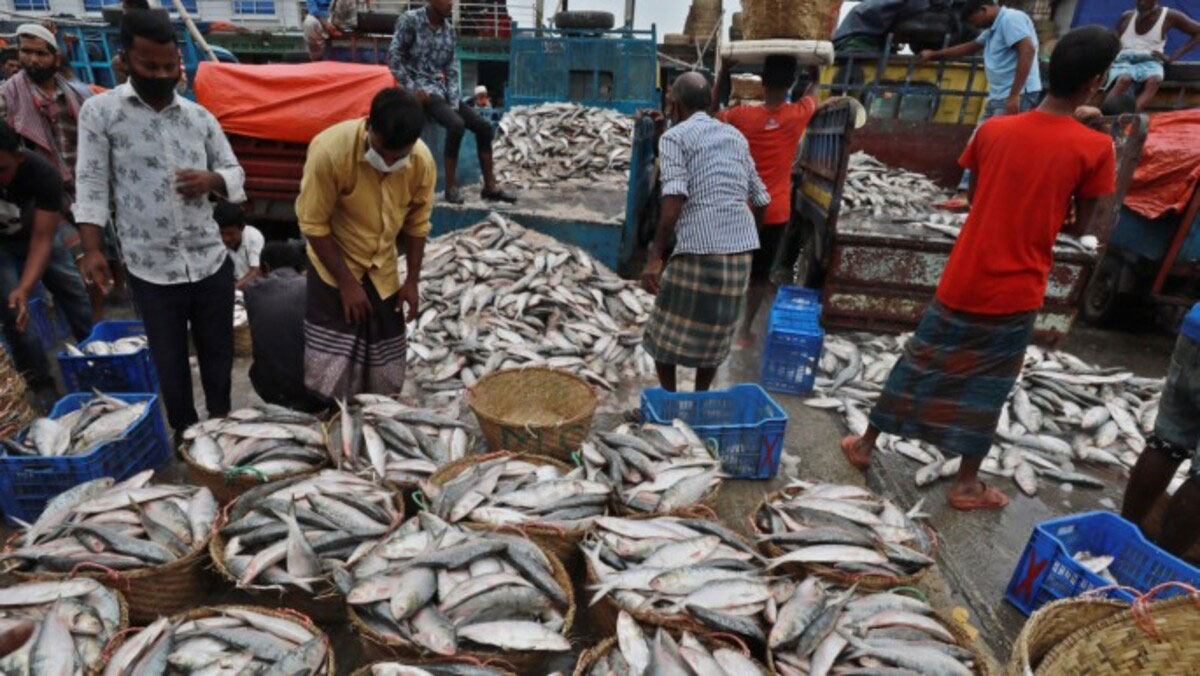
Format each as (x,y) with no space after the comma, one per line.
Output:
(708,182)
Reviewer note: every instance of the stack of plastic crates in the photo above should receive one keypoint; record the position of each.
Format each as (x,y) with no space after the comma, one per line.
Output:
(794,340)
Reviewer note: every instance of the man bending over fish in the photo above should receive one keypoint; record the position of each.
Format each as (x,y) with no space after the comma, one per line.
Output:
(708,178)
(366,183)
(956,371)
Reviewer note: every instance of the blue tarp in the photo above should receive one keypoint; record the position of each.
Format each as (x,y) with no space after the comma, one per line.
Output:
(1107,12)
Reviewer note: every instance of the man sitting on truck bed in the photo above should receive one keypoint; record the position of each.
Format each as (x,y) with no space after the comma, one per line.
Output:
(422,59)
(1143,34)
(953,380)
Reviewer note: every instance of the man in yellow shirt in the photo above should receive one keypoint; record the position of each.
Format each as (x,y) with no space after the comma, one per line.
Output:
(366,183)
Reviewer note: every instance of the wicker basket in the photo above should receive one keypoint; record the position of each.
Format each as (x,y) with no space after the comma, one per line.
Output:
(15,412)
(710,640)
(379,648)
(747,87)
(226,487)
(366,669)
(864,582)
(533,410)
(242,347)
(1052,623)
(789,19)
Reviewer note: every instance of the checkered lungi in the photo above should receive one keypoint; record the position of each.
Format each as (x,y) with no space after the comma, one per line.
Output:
(949,386)
(698,305)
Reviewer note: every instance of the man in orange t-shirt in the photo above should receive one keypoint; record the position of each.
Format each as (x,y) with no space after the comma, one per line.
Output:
(951,384)
(773,131)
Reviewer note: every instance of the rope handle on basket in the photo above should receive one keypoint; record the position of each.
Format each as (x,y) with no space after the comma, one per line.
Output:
(577,458)
(114,643)
(1141,606)
(912,591)
(246,469)
(707,511)
(109,574)
(733,638)
(418,498)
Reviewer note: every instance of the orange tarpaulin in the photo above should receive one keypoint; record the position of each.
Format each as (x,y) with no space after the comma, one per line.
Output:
(1169,167)
(288,102)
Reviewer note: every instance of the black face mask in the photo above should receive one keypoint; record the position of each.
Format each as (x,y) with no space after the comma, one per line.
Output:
(39,74)
(155,89)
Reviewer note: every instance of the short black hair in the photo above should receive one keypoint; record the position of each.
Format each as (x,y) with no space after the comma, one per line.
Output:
(692,96)
(229,215)
(289,254)
(135,4)
(779,71)
(151,24)
(1079,57)
(10,141)
(397,116)
(8,55)
(971,6)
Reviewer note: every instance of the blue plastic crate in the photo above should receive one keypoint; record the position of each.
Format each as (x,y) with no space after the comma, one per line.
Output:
(1047,572)
(112,372)
(48,322)
(28,483)
(789,360)
(795,307)
(743,424)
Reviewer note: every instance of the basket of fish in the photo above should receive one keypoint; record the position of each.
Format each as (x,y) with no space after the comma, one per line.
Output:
(433,588)
(632,653)
(151,542)
(86,437)
(654,469)
(252,446)
(62,626)
(445,666)
(532,148)
(225,640)
(845,534)
(243,343)
(533,410)
(282,542)
(534,494)
(687,574)
(115,358)
(819,630)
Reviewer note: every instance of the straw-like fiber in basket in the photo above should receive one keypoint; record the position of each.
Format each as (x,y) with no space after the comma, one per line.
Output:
(1162,637)
(788,19)
(864,582)
(15,412)
(226,487)
(564,543)
(379,648)
(366,670)
(711,640)
(1052,623)
(533,410)
(242,345)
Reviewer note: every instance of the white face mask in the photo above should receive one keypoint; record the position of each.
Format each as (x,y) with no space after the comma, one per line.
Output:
(376,160)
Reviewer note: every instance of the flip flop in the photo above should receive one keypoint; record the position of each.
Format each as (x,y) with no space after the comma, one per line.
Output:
(990,498)
(743,342)
(850,450)
(953,204)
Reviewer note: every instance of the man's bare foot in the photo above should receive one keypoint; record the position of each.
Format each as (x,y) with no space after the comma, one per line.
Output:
(957,203)
(745,339)
(855,453)
(979,496)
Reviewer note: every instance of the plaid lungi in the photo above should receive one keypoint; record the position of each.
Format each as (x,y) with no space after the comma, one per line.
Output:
(341,359)
(699,301)
(949,386)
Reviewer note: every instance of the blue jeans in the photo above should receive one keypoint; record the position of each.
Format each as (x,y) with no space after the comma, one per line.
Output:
(992,108)
(64,283)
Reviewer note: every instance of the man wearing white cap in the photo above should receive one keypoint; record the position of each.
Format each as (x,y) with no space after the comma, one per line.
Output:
(481,99)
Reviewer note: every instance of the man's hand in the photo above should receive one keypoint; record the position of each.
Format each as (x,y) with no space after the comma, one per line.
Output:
(1159,56)
(926,55)
(194,183)
(18,301)
(94,268)
(655,115)
(355,306)
(1012,105)
(652,275)
(422,96)
(1089,115)
(409,295)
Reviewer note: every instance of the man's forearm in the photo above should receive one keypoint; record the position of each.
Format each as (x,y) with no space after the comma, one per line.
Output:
(41,243)
(1187,47)
(672,206)
(963,49)
(414,257)
(90,236)
(331,257)
(1025,56)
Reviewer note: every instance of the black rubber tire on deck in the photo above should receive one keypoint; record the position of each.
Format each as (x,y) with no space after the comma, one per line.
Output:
(586,20)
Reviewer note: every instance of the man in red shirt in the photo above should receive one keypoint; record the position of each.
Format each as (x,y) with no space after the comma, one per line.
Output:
(773,131)
(956,372)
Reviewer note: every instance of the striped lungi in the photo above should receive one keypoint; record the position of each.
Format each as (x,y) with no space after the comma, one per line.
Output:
(949,386)
(699,301)
(342,359)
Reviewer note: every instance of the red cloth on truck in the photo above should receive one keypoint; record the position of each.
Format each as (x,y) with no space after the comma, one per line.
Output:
(288,102)
(1169,167)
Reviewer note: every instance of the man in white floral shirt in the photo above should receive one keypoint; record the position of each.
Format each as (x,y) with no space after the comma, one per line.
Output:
(156,157)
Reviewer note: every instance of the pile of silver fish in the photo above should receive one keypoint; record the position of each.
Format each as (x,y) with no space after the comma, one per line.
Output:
(1097,563)
(379,438)
(822,631)
(635,654)
(240,316)
(235,640)
(431,668)
(508,490)
(670,565)
(449,589)
(100,420)
(497,296)
(294,533)
(263,441)
(543,145)
(848,528)
(95,348)
(67,623)
(654,468)
(122,526)
(1063,414)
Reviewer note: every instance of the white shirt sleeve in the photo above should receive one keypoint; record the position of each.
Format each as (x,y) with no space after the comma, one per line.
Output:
(253,241)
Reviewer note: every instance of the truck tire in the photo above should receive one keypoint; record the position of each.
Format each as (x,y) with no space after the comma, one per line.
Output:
(382,23)
(585,20)
(1103,300)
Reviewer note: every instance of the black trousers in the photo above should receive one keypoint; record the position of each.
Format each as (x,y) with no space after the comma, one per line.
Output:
(167,309)
(456,120)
